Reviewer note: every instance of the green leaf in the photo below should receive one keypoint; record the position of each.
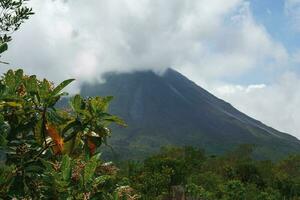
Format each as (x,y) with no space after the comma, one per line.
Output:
(10,80)
(44,89)
(71,144)
(115,119)
(71,125)
(13,104)
(108,99)
(52,101)
(56,117)
(3,47)
(101,179)
(66,167)
(90,168)
(19,74)
(76,103)
(61,86)
(116,196)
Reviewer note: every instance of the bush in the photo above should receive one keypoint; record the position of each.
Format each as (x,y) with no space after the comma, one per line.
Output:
(48,152)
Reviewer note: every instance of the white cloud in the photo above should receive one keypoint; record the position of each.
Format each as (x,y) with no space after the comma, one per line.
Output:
(227,90)
(276,104)
(207,38)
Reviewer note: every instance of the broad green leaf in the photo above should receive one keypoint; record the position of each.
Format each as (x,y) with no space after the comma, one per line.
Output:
(43,89)
(100,104)
(52,101)
(13,104)
(10,80)
(108,99)
(66,167)
(19,74)
(56,117)
(76,103)
(115,119)
(71,144)
(71,125)
(116,196)
(61,86)
(90,168)
(101,179)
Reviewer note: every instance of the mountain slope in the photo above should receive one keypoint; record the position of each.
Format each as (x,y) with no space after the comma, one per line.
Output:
(172,110)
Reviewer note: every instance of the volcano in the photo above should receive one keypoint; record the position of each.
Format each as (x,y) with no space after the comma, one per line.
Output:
(170,109)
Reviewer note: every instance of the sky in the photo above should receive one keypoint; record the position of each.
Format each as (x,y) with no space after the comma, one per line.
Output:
(246,52)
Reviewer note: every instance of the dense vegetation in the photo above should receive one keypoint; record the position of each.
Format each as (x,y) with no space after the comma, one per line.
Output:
(53,154)
(177,171)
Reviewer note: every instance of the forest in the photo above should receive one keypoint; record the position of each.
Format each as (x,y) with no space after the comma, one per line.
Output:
(188,173)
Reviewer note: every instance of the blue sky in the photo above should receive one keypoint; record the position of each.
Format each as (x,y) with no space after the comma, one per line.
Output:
(272,16)
(246,52)
(270,13)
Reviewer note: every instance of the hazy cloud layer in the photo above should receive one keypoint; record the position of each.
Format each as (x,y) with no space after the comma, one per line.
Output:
(276,105)
(214,38)
(207,40)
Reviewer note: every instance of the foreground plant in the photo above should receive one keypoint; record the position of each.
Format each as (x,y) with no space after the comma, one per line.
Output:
(48,152)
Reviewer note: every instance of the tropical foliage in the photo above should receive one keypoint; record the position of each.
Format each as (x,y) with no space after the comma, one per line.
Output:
(188,173)
(51,153)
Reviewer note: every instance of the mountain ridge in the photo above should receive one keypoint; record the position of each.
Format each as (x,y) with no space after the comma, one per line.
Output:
(172,110)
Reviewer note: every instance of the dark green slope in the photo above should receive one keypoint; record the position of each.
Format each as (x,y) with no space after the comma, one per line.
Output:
(172,110)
